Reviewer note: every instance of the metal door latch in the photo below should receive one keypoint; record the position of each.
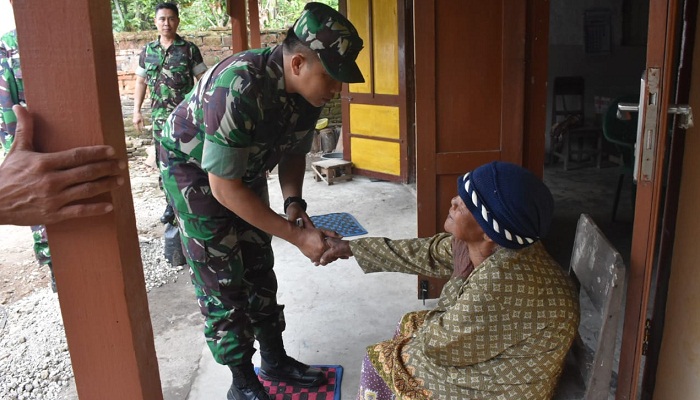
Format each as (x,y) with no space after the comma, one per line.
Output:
(685,115)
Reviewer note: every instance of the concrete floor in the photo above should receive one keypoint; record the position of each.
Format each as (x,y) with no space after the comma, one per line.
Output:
(334,312)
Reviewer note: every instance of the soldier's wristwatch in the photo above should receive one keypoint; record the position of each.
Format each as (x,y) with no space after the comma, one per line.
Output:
(294,199)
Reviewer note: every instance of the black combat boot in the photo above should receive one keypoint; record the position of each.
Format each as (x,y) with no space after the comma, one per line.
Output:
(245,385)
(53,278)
(168,215)
(278,366)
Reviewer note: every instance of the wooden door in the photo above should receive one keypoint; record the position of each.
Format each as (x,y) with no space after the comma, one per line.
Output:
(480,96)
(377,114)
(663,46)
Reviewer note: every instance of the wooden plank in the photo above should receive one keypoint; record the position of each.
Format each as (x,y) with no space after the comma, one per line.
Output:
(254,16)
(96,261)
(239,30)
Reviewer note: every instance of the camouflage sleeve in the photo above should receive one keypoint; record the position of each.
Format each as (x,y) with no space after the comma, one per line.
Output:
(141,68)
(229,120)
(428,256)
(197,62)
(7,116)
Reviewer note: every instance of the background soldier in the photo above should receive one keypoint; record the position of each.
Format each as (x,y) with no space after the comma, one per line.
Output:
(168,66)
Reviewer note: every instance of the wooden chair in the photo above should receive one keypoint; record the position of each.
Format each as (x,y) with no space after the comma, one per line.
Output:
(572,138)
(598,269)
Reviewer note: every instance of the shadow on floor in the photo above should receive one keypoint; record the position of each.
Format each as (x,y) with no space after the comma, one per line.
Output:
(588,190)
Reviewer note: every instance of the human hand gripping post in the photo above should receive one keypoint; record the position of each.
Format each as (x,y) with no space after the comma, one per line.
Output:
(43,188)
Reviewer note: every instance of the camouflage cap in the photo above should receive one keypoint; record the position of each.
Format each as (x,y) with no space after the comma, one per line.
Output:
(334,38)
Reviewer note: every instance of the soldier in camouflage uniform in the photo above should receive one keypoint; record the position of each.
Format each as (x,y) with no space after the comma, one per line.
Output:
(249,113)
(11,93)
(168,66)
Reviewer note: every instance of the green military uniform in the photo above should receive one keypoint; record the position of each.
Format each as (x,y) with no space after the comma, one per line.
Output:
(241,120)
(500,333)
(11,87)
(249,122)
(11,93)
(169,74)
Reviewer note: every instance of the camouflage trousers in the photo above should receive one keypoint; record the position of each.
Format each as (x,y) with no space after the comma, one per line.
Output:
(41,245)
(231,267)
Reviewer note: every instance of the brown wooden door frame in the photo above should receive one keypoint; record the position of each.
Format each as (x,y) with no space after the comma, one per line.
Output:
(661,56)
(670,205)
(668,227)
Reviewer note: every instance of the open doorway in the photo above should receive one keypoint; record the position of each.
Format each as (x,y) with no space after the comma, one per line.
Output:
(602,46)
(596,49)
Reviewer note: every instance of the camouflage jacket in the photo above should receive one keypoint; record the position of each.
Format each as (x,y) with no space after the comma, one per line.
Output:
(239,120)
(169,74)
(11,86)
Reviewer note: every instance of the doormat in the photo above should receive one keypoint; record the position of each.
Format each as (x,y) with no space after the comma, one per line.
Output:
(343,223)
(329,391)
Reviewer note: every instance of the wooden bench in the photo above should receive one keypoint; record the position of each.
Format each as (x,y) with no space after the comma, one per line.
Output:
(331,171)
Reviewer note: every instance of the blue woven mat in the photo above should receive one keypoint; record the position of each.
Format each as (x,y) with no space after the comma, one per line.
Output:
(343,223)
(329,391)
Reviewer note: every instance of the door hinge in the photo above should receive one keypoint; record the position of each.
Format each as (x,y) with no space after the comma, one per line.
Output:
(647,333)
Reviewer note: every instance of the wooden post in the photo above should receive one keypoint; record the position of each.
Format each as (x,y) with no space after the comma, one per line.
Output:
(254,16)
(239,29)
(67,54)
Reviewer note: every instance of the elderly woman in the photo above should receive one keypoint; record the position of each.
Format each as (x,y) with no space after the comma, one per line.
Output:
(506,317)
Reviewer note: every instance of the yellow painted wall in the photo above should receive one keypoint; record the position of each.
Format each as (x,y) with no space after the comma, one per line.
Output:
(386,47)
(377,121)
(679,362)
(374,155)
(358,13)
(382,68)
(379,62)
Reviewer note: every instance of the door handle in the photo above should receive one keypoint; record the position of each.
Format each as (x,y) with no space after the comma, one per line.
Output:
(648,109)
(631,107)
(683,110)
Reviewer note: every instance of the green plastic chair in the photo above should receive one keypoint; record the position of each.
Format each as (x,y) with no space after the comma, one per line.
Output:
(623,134)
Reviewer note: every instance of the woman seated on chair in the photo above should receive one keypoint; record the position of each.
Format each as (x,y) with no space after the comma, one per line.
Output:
(505,319)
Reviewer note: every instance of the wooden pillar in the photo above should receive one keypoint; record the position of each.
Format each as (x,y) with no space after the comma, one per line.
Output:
(239,29)
(254,16)
(67,54)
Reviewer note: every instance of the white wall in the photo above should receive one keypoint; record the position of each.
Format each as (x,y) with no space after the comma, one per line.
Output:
(7,21)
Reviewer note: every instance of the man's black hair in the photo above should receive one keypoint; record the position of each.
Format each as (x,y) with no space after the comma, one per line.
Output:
(292,43)
(168,6)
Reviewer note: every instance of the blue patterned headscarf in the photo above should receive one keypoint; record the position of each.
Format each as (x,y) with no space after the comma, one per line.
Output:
(512,205)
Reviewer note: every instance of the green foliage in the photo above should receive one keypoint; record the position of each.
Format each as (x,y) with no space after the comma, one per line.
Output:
(280,14)
(202,14)
(137,15)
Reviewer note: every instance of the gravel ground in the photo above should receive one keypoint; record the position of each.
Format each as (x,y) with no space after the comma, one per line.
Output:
(34,358)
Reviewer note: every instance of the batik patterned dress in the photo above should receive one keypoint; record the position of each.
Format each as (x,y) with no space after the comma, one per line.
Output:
(501,333)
